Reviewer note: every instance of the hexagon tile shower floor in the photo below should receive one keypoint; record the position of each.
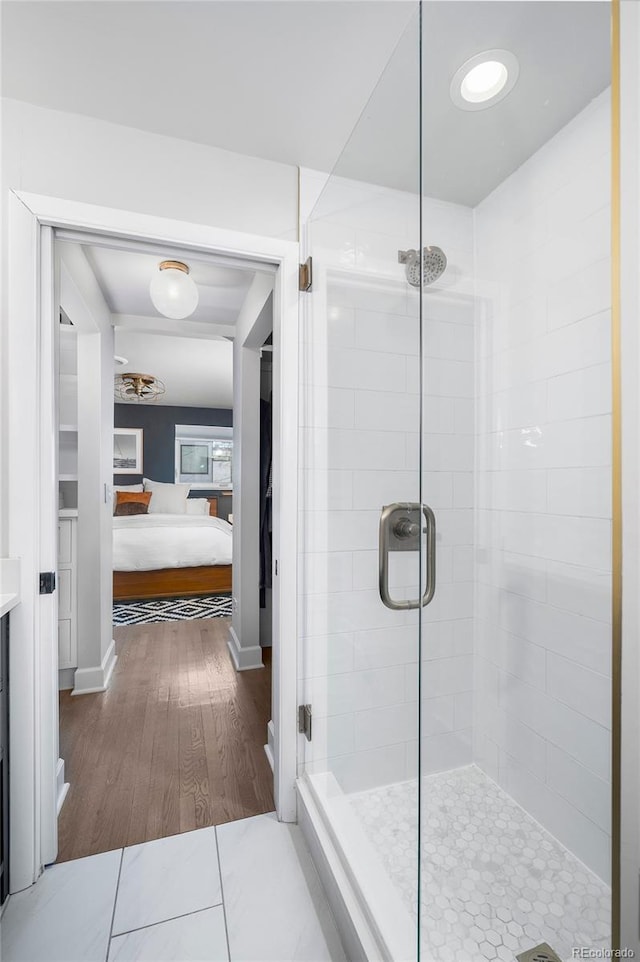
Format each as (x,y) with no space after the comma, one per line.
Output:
(494,882)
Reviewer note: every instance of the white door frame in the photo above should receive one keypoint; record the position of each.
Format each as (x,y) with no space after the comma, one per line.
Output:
(32,491)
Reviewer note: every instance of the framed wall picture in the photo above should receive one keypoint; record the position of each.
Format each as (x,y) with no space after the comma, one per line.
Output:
(127,451)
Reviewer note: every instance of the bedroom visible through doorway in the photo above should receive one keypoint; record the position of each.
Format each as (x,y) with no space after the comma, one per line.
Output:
(160,732)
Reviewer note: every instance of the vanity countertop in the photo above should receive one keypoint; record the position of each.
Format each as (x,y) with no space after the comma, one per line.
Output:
(8,601)
(9,584)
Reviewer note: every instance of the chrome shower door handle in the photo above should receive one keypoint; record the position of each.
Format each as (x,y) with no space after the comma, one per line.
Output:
(430,556)
(401,530)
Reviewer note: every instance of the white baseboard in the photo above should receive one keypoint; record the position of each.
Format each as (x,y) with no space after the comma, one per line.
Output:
(243,659)
(65,678)
(62,787)
(91,680)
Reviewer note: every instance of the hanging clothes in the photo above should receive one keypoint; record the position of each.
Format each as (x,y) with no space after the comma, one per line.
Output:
(265,498)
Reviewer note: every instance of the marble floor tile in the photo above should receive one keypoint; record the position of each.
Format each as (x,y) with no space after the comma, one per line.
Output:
(493,881)
(200,937)
(66,916)
(163,879)
(275,907)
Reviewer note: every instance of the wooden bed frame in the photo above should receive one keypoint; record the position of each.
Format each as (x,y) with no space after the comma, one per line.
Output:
(173,582)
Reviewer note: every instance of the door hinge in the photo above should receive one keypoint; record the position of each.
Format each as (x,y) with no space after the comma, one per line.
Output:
(304,721)
(47,582)
(305,275)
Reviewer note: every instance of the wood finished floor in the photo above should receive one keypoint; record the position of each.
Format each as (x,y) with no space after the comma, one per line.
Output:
(175,744)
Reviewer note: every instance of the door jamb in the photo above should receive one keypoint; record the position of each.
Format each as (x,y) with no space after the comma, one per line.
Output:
(31,726)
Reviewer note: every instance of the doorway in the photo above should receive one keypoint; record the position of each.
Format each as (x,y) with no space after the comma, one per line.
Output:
(33,221)
(171,738)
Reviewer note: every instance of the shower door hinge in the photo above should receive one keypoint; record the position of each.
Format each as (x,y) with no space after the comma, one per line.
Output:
(305,275)
(304,721)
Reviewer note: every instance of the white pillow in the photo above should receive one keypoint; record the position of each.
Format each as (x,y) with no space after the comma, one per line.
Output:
(197,506)
(125,487)
(167,498)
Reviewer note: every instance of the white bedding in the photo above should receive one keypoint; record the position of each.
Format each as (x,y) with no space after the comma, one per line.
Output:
(148,542)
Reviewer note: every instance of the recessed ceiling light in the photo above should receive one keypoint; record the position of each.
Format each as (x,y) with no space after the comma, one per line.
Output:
(484,80)
(119,361)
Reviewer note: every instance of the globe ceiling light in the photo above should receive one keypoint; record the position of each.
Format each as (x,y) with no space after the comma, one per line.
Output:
(484,80)
(173,292)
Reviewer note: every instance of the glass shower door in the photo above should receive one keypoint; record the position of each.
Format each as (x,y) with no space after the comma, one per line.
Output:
(362,527)
(516,650)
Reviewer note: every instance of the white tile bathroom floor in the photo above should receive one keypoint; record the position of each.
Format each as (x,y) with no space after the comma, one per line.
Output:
(494,882)
(246,891)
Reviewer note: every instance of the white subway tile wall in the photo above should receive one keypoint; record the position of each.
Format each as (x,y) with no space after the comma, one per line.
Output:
(360,424)
(542,699)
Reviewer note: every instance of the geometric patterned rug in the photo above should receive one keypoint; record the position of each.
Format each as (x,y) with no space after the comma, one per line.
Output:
(171,609)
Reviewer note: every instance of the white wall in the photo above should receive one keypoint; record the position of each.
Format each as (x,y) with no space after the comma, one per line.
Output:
(83,303)
(360,417)
(76,157)
(630,392)
(543,598)
(79,158)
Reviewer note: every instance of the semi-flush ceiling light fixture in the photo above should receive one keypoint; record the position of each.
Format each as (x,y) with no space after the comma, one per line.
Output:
(173,292)
(484,80)
(130,386)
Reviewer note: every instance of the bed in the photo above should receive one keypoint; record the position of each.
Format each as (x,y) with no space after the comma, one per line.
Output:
(170,555)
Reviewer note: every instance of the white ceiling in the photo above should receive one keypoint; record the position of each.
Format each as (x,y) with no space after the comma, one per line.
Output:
(196,373)
(563,50)
(288,80)
(124,277)
(280,80)
(194,356)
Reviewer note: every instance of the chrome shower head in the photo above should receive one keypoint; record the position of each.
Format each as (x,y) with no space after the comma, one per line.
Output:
(434,263)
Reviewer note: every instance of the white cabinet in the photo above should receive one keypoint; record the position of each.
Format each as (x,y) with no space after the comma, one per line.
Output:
(67,590)
(68,494)
(68,416)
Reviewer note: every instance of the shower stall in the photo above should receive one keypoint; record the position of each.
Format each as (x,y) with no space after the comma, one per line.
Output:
(456,643)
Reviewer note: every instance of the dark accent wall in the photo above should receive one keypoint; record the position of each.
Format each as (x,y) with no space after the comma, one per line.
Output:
(158,422)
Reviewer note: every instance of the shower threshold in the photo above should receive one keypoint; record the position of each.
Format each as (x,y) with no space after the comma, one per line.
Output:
(494,882)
